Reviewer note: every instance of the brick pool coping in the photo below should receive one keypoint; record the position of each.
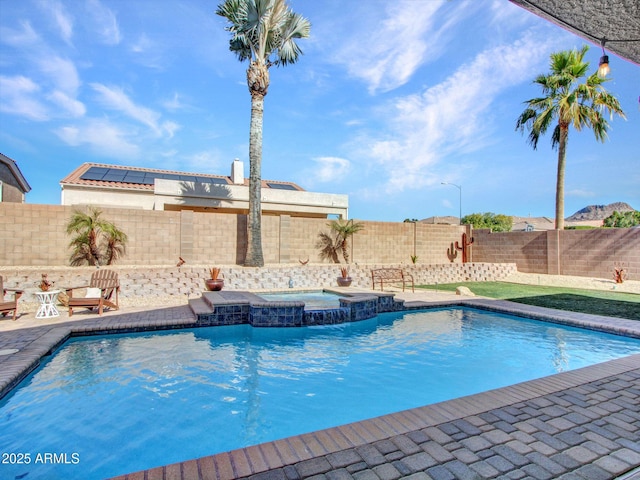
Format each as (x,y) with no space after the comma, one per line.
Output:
(579,424)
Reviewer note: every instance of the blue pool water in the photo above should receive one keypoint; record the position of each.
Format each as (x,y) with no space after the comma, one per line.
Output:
(123,403)
(312,300)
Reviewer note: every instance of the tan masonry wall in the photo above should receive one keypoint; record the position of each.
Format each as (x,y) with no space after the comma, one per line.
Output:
(587,253)
(188,281)
(35,235)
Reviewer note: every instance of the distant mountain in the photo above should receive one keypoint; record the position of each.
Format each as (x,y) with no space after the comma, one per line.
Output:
(599,212)
(447,220)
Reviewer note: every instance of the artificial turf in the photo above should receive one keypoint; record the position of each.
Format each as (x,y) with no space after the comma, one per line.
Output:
(598,302)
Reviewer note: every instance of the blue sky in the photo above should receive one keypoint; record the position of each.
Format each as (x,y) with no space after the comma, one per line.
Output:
(389,100)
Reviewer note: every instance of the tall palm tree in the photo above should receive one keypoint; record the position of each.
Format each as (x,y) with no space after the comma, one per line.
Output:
(565,103)
(264,33)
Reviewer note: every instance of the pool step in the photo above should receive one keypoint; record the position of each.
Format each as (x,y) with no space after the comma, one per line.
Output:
(200,307)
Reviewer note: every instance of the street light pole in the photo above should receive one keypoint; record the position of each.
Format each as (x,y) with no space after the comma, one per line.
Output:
(459,187)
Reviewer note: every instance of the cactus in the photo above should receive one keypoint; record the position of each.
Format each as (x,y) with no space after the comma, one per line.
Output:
(452,253)
(464,248)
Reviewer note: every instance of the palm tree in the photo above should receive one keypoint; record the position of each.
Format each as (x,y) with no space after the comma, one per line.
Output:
(115,243)
(344,229)
(565,103)
(96,241)
(264,33)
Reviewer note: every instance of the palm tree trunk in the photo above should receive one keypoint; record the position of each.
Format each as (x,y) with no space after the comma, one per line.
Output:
(345,250)
(93,248)
(562,147)
(254,257)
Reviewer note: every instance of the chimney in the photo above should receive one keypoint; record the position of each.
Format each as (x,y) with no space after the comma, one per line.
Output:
(237,172)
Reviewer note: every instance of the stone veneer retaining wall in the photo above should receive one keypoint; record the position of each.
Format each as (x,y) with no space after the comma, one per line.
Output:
(188,281)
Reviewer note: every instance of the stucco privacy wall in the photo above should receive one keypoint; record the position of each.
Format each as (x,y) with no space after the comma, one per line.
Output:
(188,281)
(586,253)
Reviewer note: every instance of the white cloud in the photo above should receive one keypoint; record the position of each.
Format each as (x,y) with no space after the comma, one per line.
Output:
(23,37)
(62,72)
(73,107)
(142,45)
(102,137)
(330,169)
(175,103)
(170,128)
(18,97)
(105,23)
(450,117)
(116,99)
(404,38)
(62,20)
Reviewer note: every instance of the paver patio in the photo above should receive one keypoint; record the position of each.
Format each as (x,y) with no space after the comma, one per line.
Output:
(582,424)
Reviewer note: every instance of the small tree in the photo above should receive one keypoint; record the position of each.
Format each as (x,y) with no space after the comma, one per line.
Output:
(96,241)
(622,220)
(497,223)
(338,240)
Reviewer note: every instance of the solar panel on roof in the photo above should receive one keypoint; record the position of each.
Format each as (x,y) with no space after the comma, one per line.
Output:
(89,175)
(114,177)
(141,177)
(222,181)
(136,180)
(281,186)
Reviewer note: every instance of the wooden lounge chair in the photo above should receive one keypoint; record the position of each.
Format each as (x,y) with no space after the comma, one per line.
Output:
(7,305)
(100,292)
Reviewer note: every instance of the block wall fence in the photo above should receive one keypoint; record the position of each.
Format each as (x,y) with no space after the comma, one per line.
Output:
(34,235)
(584,253)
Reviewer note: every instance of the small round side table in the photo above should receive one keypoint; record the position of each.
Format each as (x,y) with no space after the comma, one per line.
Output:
(47,308)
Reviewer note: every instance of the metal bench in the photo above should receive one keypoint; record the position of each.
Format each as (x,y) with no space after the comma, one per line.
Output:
(391,275)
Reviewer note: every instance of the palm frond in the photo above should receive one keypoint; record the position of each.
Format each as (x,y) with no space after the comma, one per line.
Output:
(329,247)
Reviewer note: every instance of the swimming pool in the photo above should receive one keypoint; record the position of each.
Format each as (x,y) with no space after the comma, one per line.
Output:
(312,300)
(124,403)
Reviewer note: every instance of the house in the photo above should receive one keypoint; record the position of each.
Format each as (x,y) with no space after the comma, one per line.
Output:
(151,189)
(530,224)
(13,185)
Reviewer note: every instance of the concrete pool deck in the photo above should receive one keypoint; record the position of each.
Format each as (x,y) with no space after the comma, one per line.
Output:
(582,424)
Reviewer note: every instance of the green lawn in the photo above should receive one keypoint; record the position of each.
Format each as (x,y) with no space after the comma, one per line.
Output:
(599,302)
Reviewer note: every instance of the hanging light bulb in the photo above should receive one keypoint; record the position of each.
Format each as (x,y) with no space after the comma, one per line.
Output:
(603,66)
